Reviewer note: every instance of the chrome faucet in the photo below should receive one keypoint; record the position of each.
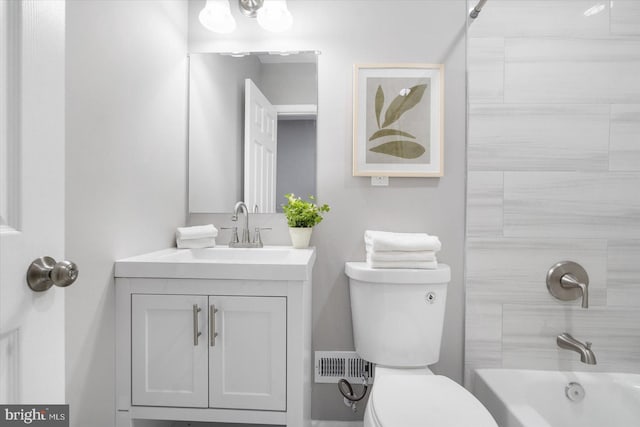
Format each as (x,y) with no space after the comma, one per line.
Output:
(241,207)
(566,341)
(246,241)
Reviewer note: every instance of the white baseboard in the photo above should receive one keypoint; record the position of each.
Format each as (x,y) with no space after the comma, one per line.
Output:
(322,423)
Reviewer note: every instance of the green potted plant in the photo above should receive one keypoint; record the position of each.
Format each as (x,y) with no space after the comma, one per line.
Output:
(301,217)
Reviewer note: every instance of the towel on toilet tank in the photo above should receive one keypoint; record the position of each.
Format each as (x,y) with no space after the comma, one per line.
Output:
(401,256)
(402,264)
(401,250)
(387,241)
(199,236)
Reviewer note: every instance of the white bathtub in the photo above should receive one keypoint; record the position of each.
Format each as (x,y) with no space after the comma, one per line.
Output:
(521,398)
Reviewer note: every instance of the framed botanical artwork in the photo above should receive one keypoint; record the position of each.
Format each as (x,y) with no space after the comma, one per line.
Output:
(398,120)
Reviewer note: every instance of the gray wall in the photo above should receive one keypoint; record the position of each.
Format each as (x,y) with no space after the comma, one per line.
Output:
(289,83)
(296,159)
(125,170)
(554,167)
(361,32)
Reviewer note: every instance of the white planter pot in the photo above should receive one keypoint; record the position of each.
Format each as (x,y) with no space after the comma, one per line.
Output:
(300,236)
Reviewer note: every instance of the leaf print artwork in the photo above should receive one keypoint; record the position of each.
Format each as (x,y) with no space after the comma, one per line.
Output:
(379,103)
(403,103)
(403,149)
(388,132)
(408,97)
(398,112)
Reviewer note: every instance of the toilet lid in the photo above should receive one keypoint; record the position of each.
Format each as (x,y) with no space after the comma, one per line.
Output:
(426,400)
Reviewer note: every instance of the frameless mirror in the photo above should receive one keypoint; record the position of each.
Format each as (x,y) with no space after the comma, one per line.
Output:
(252,129)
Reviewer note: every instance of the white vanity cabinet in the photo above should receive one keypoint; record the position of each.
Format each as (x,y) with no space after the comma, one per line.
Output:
(215,351)
(226,349)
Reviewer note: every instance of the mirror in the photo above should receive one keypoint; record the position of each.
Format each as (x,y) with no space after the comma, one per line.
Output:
(252,129)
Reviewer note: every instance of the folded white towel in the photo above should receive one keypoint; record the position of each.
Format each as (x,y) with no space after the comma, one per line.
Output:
(431,265)
(401,255)
(387,241)
(206,242)
(196,232)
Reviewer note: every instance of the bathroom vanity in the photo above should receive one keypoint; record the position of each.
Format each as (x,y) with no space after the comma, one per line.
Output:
(218,335)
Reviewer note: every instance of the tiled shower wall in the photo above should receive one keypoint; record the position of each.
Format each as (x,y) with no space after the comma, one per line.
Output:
(553,174)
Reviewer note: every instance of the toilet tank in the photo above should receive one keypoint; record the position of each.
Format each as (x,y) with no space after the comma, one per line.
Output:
(397,314)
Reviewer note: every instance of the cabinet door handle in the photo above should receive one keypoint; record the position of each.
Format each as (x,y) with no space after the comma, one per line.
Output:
(212,325)
(196,333)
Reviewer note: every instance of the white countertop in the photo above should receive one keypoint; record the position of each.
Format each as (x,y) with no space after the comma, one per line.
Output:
(221,262)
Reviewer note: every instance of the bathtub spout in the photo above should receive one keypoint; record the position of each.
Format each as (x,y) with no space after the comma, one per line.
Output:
(566,341)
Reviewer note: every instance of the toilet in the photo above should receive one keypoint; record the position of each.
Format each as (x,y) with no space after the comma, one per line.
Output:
(398,315)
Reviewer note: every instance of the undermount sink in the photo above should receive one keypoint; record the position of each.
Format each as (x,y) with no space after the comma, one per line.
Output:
(222,262)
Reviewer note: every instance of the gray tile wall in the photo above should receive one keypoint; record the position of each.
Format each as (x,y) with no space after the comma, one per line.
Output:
(553,174)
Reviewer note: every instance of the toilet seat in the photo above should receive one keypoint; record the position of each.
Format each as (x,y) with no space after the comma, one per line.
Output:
(425,400)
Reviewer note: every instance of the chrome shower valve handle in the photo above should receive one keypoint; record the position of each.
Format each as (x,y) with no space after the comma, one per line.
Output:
(567,281)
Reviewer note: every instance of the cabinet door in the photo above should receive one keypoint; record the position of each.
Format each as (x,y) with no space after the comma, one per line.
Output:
(248,358)
(168,358)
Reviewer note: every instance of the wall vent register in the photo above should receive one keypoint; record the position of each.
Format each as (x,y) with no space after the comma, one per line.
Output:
(331,366)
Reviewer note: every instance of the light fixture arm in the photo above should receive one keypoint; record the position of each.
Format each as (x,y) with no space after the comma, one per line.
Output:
(250,7)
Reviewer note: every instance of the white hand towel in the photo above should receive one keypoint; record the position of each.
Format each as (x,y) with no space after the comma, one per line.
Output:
(401,255)
(206,242)
(196,232)
(430,265)
(387,241)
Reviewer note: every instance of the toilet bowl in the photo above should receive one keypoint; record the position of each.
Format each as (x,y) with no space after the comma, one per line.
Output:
(399,399)
(398,315)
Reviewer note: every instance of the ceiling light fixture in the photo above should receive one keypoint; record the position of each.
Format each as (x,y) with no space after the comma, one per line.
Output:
(272,15)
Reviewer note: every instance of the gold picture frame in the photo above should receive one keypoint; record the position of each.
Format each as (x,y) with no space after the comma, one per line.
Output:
(398,120)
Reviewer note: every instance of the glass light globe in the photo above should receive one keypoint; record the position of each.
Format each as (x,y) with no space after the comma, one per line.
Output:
(216,16)
(275,16)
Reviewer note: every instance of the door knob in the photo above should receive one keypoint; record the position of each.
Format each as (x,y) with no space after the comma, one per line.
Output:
(45,272)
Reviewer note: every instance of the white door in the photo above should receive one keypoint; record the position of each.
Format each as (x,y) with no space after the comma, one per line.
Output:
(260,149)
(32,120)
(169,350)
(248,359)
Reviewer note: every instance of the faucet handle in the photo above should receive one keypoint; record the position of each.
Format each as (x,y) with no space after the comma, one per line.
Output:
(234,234)
(256,237)
(588,344)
